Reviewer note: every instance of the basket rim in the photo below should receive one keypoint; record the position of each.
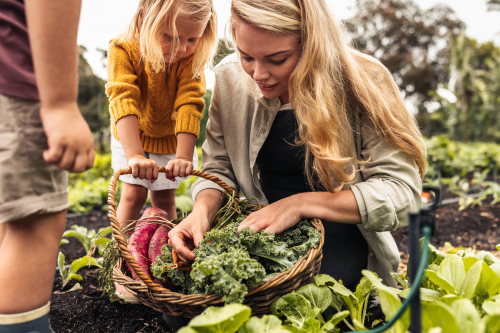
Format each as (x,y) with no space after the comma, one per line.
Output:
(182,299)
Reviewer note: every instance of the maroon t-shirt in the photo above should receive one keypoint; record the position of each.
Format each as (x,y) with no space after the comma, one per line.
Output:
(17,76)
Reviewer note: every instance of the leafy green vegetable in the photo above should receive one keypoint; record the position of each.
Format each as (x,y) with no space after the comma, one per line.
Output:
(266,324)
(111,254)
(75,266)
(221,320)
(228,264)
(228,274)
(356,302)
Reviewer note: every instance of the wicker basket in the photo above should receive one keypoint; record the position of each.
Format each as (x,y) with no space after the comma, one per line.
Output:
(259,298)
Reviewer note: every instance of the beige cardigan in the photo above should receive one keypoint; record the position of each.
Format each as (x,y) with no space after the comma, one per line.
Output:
(238,126)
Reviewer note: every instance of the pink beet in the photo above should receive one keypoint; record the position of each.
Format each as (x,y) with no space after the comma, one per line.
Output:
(138,243)
(159,239)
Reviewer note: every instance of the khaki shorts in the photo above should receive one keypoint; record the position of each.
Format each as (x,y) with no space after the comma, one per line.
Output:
(28,185)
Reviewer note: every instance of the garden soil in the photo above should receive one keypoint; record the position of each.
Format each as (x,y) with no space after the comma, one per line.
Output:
(86,311)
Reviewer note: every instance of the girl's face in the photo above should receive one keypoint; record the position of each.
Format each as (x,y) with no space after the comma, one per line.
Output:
(189,34)
(269,59)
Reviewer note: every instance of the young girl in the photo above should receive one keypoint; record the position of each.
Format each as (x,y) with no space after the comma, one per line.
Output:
(156,86)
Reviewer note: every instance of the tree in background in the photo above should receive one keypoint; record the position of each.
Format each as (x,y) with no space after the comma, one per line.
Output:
(92,99)
(493,5)
(414,44)
(472,113)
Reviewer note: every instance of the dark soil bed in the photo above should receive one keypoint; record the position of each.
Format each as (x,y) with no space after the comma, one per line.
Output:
(86,311)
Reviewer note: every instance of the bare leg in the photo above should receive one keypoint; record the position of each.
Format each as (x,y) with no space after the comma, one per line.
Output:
(131,202)
(28,261)
(165,200)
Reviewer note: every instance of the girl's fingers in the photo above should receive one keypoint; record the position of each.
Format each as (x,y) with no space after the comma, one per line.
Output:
(149,173)
(189,169)
(135,170)
(155,173)
(176,169)
(142,172)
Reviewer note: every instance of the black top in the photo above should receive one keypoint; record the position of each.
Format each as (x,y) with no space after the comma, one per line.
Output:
(282,173)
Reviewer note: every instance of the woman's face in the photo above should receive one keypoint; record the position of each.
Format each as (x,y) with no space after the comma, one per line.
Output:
(269,59)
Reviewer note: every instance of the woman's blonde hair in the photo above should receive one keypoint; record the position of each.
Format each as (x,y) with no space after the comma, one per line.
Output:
(330,84)
(154,17)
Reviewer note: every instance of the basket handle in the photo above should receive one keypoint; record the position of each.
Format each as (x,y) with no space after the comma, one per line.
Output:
(115,224)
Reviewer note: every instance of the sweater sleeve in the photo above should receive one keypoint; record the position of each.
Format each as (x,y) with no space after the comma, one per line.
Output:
(189,102)
(122,88)
(392,185)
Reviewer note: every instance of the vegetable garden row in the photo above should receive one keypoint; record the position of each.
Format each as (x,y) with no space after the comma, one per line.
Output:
(460,291)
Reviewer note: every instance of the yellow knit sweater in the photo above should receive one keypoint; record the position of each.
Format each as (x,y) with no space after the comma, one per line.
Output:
(165,103)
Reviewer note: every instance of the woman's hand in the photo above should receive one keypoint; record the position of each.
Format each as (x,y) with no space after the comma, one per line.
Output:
(187,234)
(178,167)
(143,168)
(275,218)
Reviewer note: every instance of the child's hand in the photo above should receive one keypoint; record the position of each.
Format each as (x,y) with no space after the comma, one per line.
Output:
(178,167)
(71,146)
(143,167)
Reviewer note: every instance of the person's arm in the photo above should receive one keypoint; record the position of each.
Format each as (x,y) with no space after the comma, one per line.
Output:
(53,26)
(128,131)
(182,165)
(340,207)
(187,234)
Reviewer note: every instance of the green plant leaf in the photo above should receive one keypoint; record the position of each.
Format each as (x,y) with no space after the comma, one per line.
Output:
(469,262)
(471,280)
(77,264)
(466,315)
(319,297)
(312,325)
(427,295)
(438,315)
(184,203)
(296,309)
(102,241)
(359,326)
(452,269)
(376,322)
(266,324)
(103,232)
(449,299)
(491,324)
(495,268)
(76,277)
(60,263)
(324,280)
(390,304)
(63,241)
(186,329)
(329,326)
(441,282)
(491,307)
(227,319)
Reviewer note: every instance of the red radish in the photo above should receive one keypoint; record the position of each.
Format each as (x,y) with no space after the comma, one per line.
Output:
(138,243)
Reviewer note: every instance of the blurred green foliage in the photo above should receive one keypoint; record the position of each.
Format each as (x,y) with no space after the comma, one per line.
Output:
(458,158)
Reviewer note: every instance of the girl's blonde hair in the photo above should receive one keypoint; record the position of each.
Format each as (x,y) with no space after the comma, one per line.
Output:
(330,84)
(154,17)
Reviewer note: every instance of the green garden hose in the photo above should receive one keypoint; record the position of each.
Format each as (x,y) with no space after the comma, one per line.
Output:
(426,230)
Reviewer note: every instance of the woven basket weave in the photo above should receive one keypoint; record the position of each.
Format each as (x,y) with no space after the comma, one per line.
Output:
(259,297)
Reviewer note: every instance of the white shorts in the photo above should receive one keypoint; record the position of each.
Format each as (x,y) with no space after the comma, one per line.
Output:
(119,161)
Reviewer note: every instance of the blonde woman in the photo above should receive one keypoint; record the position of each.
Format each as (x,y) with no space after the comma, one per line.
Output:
(155,87)
(328,136)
